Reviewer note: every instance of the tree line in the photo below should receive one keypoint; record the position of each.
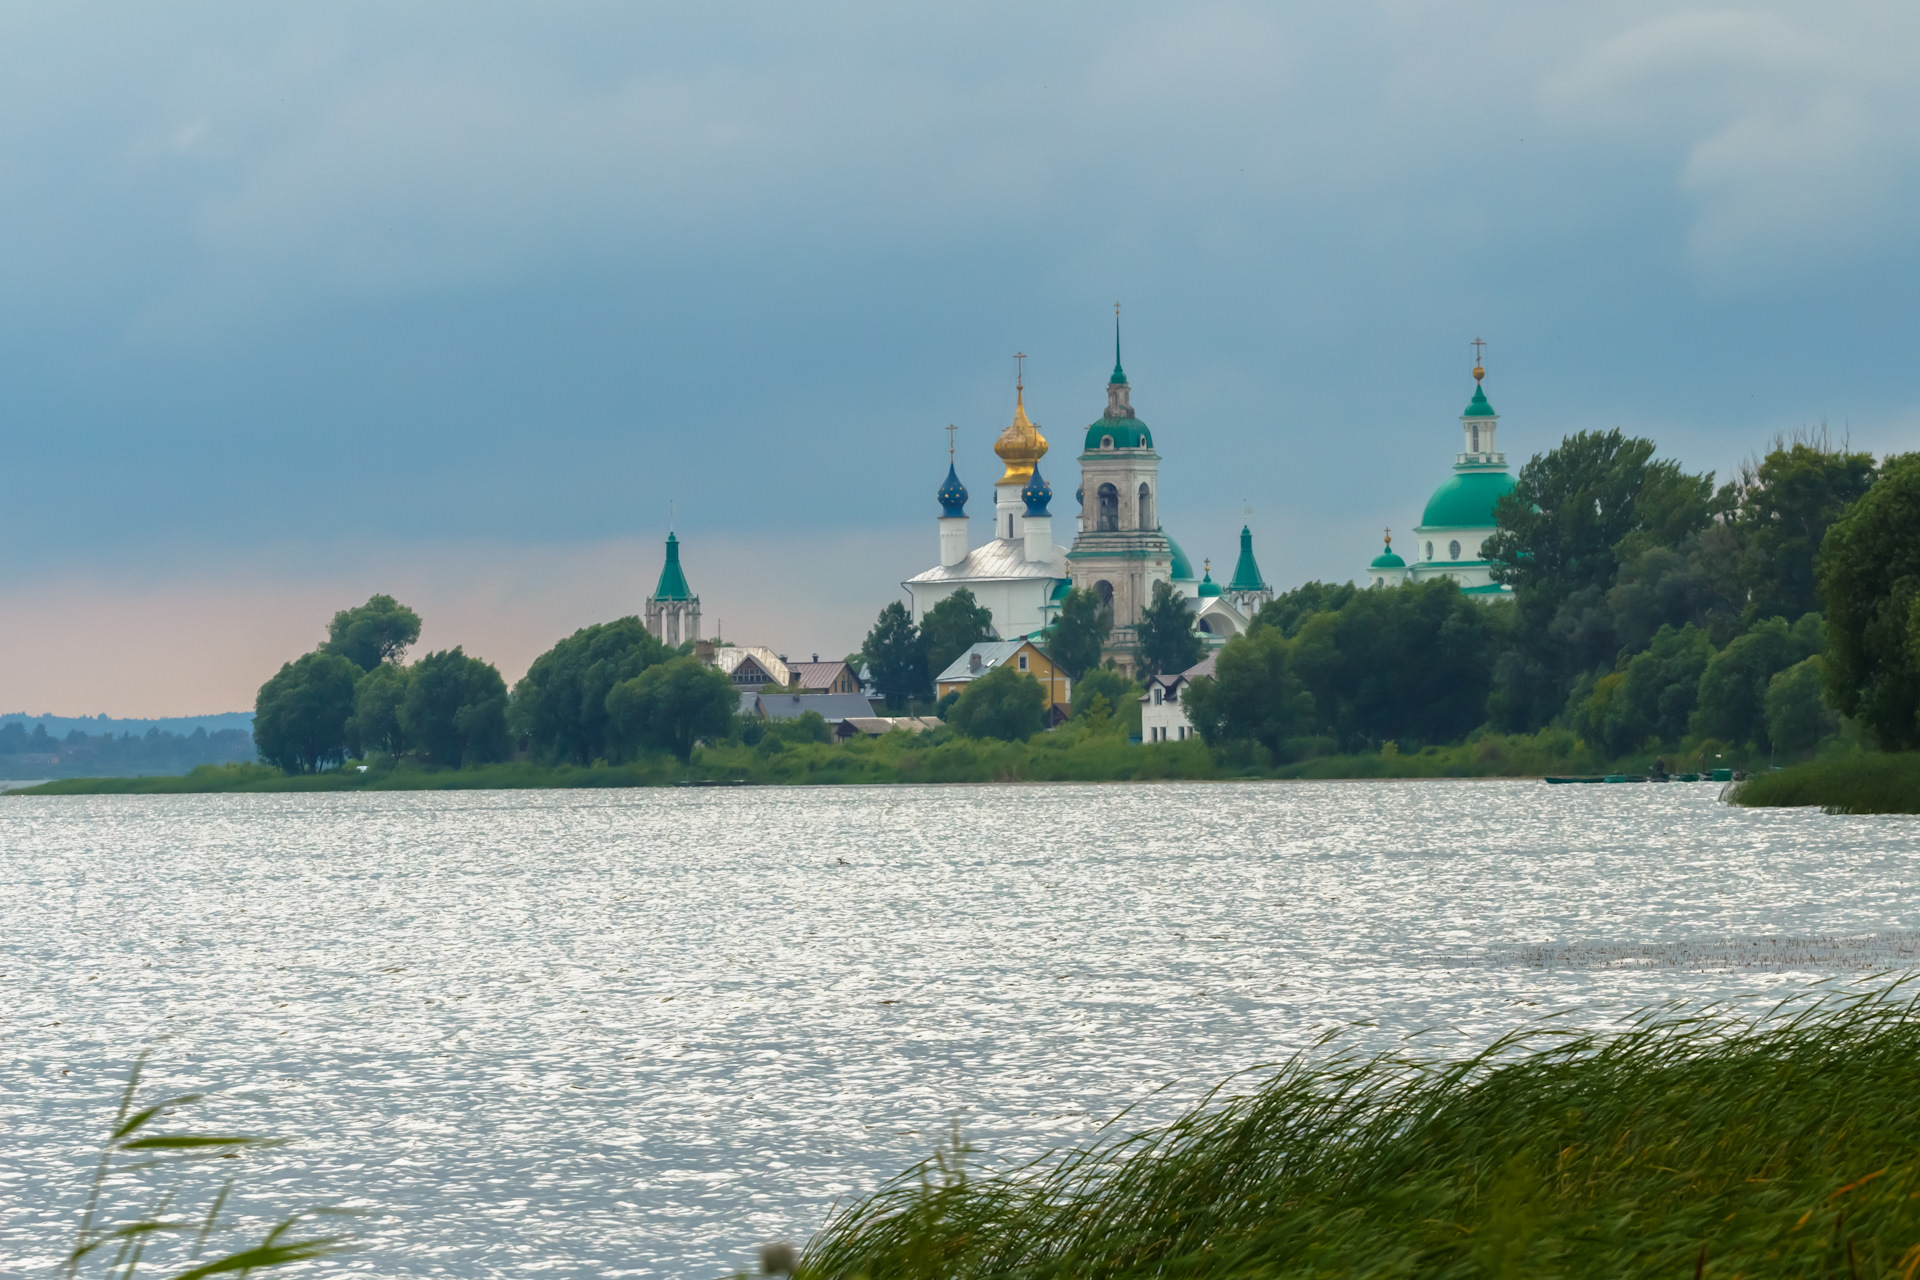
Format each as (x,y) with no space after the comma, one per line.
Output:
(1651,610)
(608,692)
(39,754)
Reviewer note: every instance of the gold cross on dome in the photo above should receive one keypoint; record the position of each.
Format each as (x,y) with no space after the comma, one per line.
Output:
(1116,311)
(1477,345)
(1020,367)
(949,442)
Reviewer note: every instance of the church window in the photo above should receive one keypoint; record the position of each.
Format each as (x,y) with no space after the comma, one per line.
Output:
(1205,626)
(1453,551)
(1146,507)
(1476,437)
(1106,442)
(1109,509)
(1429,551)
(1104,590)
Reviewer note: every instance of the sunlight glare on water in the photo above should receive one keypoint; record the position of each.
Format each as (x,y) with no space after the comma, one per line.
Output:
(638,1032)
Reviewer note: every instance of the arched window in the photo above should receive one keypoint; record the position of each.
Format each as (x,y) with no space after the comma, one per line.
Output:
(1106,442)
(1206,626)
(1104,590)
(1429,551)
(1476,437)
(1146,507)
(1109,509)
(1453,550)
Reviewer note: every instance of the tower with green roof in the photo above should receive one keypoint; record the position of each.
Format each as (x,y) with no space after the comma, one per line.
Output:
(1247,589)
(1458,518)
(673,611)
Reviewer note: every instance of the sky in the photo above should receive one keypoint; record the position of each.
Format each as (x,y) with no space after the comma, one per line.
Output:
(464,302)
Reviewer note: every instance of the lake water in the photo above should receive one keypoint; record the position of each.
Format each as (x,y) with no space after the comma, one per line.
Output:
(638,1032)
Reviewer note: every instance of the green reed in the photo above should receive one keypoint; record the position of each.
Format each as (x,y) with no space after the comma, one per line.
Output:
(158,1170)
(1689,1144)
(1868,782)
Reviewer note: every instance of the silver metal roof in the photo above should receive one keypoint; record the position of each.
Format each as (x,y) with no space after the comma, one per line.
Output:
(992,654)
(1001,558)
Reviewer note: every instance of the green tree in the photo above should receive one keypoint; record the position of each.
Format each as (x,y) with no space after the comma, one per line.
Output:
(1792,497)
(378,631)
(378,698)
(1103,682)
(1003,703)
(1651,697)
(1733,690)
(1080,633)
(1797,714)
(1254,694)
(898,658)
(455,712)
(1289,611)
(1575,514)
(561,703)
(1165,640)
(672,706)
(1409,665)
(300,715)
(1869,575)
(952,627)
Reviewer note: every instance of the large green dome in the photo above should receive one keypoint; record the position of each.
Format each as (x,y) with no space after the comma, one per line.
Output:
(1127,433)
(1467,500)
(1182,567)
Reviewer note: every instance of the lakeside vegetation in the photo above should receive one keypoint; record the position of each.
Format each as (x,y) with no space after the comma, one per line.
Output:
(1864,783)
(1689,1145)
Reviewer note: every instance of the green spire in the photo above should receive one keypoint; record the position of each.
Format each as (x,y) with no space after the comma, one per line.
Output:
(1246,574)
(1119,378)
(673,583)
(1478,406)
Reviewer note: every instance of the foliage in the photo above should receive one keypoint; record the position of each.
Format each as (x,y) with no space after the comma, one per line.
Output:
(455,711)
(1410,663)
(1691,1143)
(898,658)
(1165,640)
(1651,698)
(137,1157)
(378,631)
(672,705)
(952,627)
(379,696)
(1003,703)
(1790,500)
(1119,699)
(158,751)
(1796,709)
(1867,782)
(1289,610)
(1254,695)
(300,714)
(561,703)
(1733,690)
(1080,633)
(1869,575)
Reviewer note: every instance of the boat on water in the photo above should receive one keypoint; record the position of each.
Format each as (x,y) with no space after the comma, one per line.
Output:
(1717,776)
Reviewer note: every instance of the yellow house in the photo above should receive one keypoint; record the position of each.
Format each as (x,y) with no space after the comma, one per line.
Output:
(1023,656)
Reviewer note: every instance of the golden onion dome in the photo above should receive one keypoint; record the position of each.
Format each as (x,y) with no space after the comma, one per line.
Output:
(1021,444)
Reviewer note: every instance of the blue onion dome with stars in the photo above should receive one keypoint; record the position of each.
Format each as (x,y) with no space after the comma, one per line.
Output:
(952,495)
(1037,493)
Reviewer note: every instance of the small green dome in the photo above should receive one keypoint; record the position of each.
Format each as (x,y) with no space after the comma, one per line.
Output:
(1127,433)
(1478,406)
(1467,500)
(1387,560)
(1208,587)
(1182,566)
(1060,589)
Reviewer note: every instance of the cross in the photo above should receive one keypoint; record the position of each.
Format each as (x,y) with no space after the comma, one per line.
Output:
(1389,533)
(949,442)
(1021,370)
(1116,311)
(1476,344)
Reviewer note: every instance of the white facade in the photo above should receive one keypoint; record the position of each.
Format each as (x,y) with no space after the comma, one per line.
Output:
(1449,541)
(1018,591)
(1162,717)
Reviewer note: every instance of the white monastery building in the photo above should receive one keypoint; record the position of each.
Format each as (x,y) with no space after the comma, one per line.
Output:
(1459,515)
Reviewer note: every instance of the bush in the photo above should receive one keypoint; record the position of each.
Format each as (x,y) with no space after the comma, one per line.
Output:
(672,706)
(1003,703)
(300,715)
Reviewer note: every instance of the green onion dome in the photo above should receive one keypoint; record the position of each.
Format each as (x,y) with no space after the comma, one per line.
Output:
(1208,587)
(1037,493)
(952,495)
(1387,560)
(1466,500)
(1478,406)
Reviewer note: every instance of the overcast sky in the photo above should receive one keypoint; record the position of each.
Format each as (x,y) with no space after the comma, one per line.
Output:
(300,303)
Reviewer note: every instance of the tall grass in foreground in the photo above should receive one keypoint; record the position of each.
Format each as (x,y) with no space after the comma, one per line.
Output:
(1686,1146)
(1865,783)
(138,1163)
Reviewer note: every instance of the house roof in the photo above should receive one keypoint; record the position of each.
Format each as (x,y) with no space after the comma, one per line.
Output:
(877,725)
(992,653)
(833,707)
(730,657)
(1001,558)
(1204,667)
(820,675)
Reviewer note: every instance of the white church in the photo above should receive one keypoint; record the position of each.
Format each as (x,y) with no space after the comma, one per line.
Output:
(1118,548)
(1459,516)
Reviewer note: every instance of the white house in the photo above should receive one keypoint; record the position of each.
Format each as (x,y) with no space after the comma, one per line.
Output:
(1162,718)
